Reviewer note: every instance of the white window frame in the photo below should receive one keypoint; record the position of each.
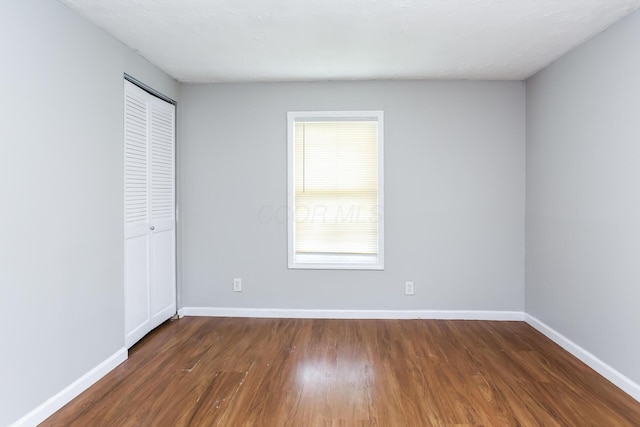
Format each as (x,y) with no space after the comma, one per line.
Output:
(328,261)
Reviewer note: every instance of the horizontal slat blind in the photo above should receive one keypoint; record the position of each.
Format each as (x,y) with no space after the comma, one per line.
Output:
(336,187)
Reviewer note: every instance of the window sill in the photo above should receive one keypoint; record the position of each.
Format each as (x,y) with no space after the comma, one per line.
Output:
(336,262)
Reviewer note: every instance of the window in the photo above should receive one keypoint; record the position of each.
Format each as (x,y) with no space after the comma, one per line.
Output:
(336,190)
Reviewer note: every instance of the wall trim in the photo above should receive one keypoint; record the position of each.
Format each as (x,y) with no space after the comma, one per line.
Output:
(618,379)
(286,313)
(60,399)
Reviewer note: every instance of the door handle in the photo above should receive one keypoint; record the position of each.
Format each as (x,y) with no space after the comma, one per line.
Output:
(152,228)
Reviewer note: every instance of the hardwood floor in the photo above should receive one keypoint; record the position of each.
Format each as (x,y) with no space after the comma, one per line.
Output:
(294,372)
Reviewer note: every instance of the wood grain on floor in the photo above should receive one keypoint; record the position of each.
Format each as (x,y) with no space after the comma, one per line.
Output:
(300,372)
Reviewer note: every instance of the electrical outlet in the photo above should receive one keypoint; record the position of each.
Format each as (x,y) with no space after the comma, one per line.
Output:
(237,285)
(408,288)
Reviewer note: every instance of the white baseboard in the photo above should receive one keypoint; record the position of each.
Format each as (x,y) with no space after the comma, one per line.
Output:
(56,402)
(624,383)
(285,313)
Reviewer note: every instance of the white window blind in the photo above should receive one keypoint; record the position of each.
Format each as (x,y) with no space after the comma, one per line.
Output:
(335,190)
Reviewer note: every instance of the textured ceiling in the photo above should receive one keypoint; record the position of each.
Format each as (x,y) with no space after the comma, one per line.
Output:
(292,40)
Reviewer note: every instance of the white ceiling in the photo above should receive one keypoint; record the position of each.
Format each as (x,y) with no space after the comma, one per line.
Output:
(292,40)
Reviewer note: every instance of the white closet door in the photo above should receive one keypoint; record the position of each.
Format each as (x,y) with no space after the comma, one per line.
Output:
(149,221)
(136,214)
(162,211)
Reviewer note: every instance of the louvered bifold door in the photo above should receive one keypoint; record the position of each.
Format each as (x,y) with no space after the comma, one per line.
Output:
(136,213)
(162,211)
(149,221)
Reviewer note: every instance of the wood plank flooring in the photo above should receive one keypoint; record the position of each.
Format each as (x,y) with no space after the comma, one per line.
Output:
(296,372)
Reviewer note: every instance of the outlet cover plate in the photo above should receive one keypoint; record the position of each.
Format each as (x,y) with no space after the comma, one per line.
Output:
(408,288)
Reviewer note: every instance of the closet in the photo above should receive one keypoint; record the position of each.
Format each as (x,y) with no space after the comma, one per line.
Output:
(149,212)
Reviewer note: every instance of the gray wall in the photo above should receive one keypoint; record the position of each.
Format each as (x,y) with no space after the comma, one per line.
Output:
(583,208)
(454,196)
(61,247)
(454,165)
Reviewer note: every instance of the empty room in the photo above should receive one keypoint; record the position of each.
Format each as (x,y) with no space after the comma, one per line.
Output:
(320,213)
